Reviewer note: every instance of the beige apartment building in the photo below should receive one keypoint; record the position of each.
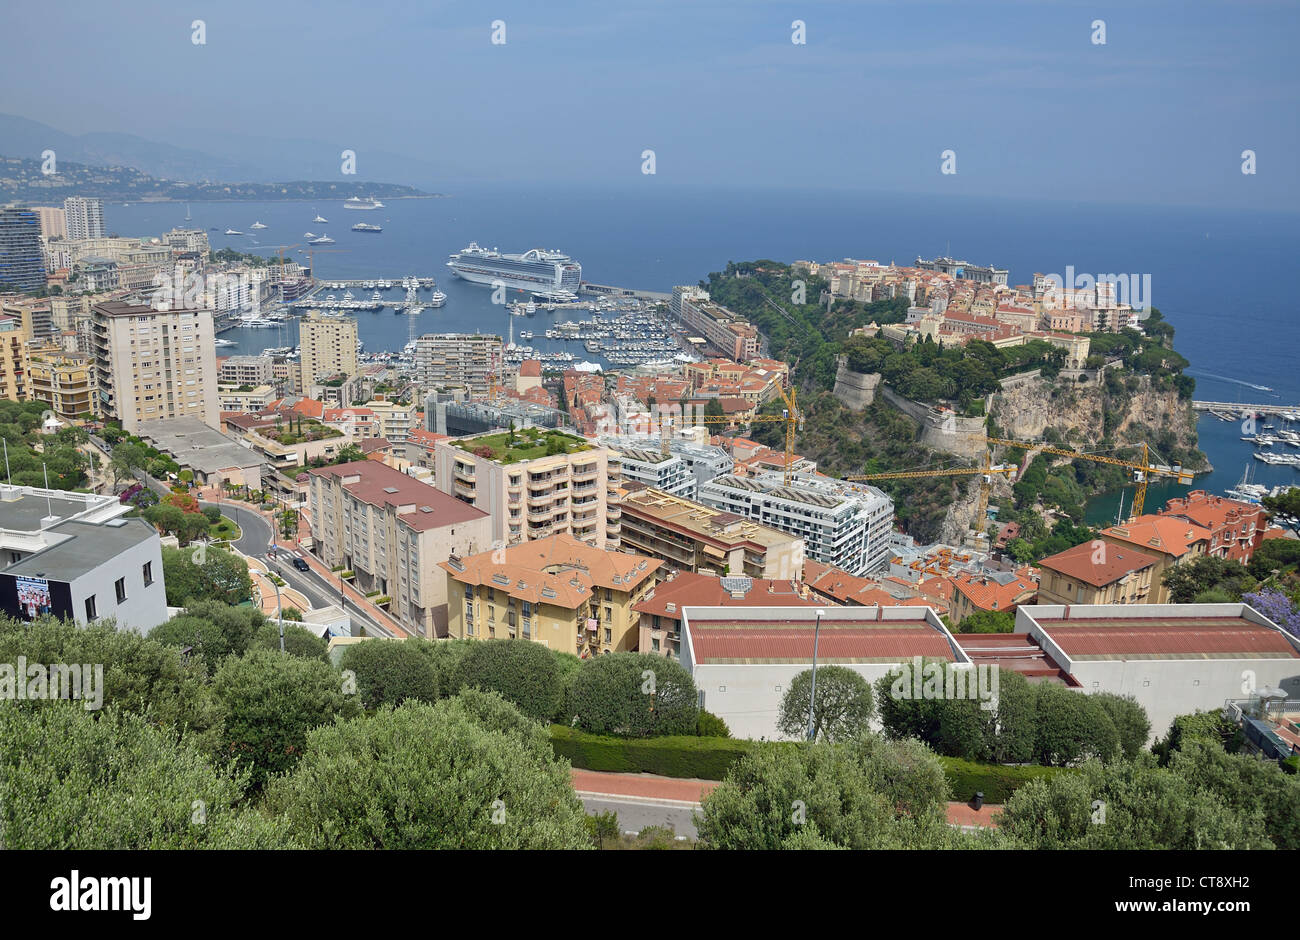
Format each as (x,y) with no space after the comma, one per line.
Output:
(530,493)
(471,360)
(14,362)
(1105,573)
(152,364)
(690,536)
(395,419)
(562,593)
(393,531)
(329,347)
(62,380)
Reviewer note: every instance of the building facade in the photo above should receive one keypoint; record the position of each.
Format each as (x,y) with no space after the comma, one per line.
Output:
(469,360)
(84,217)
(329,347)
(22,263)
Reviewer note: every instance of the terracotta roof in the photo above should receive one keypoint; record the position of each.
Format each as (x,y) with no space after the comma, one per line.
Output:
(840,641)
(531,368)
(1079,563)
(1167,638)
(1164,534)
(425,438)
(1211,512)
(558,570)
(987,594)
(699,590)
(381,485)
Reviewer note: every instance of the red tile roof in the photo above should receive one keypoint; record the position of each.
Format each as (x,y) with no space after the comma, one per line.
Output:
(701,590)
(378,479)
(1081,563)
(839,641)
(1167,638)
(1164,534)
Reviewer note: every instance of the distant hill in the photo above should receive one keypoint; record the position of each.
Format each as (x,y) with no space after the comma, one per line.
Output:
(21,180)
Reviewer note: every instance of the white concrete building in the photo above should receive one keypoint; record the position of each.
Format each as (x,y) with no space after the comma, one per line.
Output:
(841,525)
(744,659)
(1173,659)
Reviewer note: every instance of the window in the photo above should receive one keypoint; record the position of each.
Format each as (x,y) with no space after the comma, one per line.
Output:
(609,638)
(119,586)
(148,573)
(654,645)
(90,608)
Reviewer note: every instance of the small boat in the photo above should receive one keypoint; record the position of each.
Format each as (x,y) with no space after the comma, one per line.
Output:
(231,231)
(319,220)
(257,225)
(322,240)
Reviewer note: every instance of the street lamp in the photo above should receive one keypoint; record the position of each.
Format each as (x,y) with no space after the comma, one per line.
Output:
(812,694)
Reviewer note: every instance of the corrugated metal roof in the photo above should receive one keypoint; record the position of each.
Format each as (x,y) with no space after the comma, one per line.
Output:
(1168,638)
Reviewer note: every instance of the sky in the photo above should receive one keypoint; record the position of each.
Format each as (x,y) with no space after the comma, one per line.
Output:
(1029,105)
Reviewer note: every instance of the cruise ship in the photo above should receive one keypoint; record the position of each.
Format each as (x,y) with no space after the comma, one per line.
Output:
(365,227)
(543,271)
(356,202)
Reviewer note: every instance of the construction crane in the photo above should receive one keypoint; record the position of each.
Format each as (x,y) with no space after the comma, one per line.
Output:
(790,416)
(987,469)
(1142,472)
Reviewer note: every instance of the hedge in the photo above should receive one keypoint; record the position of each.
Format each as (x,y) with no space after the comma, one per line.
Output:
(996,781)
(711,758)
(673,756)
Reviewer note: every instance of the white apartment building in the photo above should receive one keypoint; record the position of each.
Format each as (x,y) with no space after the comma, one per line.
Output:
(471,360)
(84,217)
(644,463)
(844,526)
(246,370)
(153,364)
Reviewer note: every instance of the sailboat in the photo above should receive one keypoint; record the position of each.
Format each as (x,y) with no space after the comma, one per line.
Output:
(1247,491)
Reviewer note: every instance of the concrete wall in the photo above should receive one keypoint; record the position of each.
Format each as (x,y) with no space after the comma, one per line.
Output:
(145,606)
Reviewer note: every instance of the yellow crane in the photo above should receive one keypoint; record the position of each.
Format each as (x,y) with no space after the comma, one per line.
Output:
(987,469)
(1142,471)
(790,416)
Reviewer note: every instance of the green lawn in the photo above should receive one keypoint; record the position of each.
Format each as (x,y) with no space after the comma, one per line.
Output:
(529,444)
(225,530)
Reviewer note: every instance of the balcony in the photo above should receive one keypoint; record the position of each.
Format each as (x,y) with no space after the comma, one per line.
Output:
(464,489)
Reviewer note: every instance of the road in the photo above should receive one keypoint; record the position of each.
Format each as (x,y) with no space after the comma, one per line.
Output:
(254,541)
(635,814)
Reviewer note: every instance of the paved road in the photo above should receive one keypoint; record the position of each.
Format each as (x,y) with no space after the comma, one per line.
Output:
(254,541)
(635,815)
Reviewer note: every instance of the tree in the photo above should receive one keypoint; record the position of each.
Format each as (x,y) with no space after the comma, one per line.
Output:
(125,459)
(289,523)
(297,641)
(467,773)
(193,525)
(918,705)
(1210,726)
(602,826)
(212,514)
(523,672)
(1071,727)
(989,621)
(635,695)
(205,572)
(72,779)
(843,710)
(1206,573)
(713,409)
(391,672)
(214,630)
(168,519)
(1245,784)
(271,702)
(1127,805)
(1277,607)
(1130,720)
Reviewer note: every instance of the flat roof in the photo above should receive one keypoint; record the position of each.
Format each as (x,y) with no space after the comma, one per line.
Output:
(196,445)
(86,547)
(1167,637)
(840,641)
(26,512)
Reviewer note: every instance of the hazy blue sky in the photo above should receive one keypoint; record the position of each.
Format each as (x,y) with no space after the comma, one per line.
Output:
(1032,108)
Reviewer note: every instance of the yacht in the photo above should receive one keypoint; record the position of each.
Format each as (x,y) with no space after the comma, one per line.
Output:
(222,343)
(322,240)
(356,202)
(438,299)
(257,225)
(231,231)
(308,234)
(366,227)
(319,220)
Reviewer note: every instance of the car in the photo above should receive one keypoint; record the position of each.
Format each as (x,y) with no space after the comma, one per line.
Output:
(301,565)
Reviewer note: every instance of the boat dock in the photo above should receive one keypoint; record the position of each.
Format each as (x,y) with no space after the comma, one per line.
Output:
(608,290)
(1240,409)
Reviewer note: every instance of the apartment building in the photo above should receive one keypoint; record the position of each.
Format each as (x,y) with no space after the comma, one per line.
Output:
(63,380)
(53,221)
(246,370)
(557,591)
(395,419)
(152,364)
(393,532)
(22,261)
(727,332)
(14,359)
(329,346)
(1170,540)
(469,360)
(535,484)
(245,399)
(1096,574)
(847,527)
(693,537)
(1236,527)
(646,465)
(83,217)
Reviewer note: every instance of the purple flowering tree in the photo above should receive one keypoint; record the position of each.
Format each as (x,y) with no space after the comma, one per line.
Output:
(1277,607)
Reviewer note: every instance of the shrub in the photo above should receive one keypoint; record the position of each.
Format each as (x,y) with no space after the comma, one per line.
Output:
(212,513)
(297,641)
(389,671)
(1072,727)
(1130,720)
(523,672)
(709,725)
(678,756)
(635,694)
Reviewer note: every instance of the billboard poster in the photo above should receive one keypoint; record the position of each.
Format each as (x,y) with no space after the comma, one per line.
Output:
(34,596)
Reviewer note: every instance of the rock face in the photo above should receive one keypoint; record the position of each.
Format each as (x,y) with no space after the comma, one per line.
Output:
(1085,414)
(855,390)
